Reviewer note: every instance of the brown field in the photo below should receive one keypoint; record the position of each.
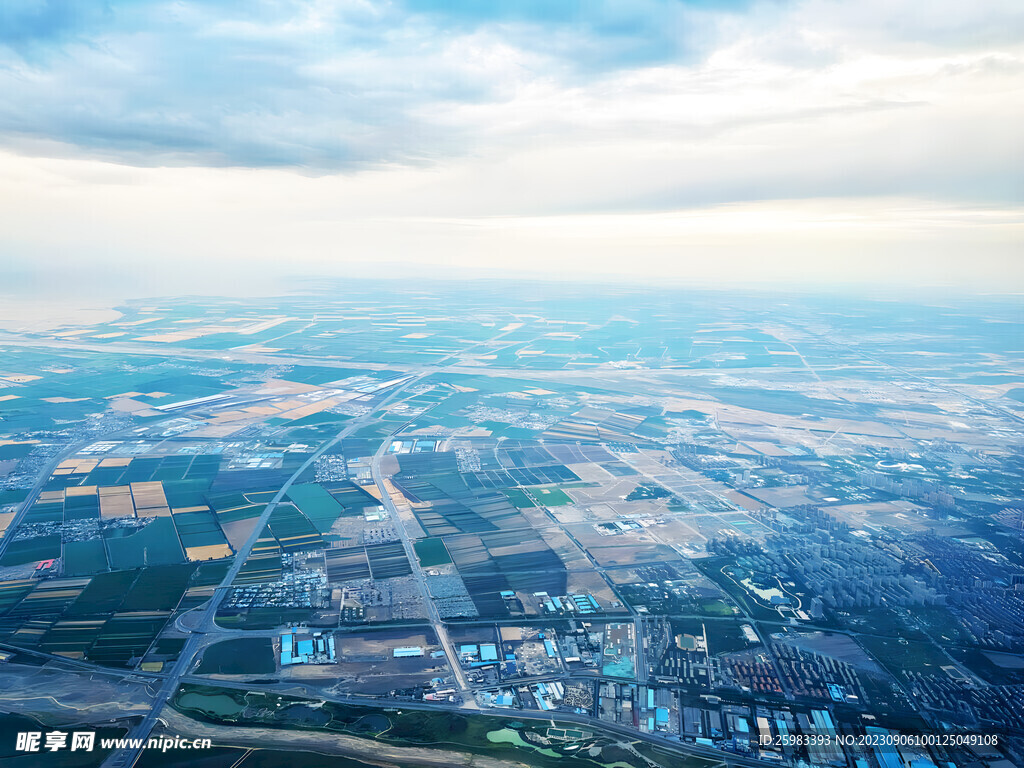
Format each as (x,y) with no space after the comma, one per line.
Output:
(609,490)
(741,499)
(149,499)
(124,462)
(116,501)
(208,552)
(238,531)
(591,473)
(568,552)
(620,554)
(902,515)
(591,583)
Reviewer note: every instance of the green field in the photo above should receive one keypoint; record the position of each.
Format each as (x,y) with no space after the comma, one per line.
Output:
(912,655)
(103,595)
(550,497)
(13,496)
(15,451)
(317,504)
(293,530)
(31,550)
(518,498)
(242,656)
(198,529)
(158,588)
(508,741)
(84,558)
(11,592)
(432,551)
(126,637)
(156,544)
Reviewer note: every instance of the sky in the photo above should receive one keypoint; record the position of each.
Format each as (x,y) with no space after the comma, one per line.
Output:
(206,145)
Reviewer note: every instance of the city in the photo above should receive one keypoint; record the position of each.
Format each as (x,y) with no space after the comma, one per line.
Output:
(669,538)
(511,384)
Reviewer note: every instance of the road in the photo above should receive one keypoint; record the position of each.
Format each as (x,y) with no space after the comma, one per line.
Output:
(589,375)
(670,744)
(44,476)
(990,407)
(421,579)
(206,623)
(126,757)
(642,671)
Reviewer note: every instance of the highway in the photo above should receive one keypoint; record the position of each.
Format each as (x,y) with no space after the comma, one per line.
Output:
(642,670)
(670,744)
(589,375)
(127,757)
(201,625)
(33,494)
(421,579)
(206,623)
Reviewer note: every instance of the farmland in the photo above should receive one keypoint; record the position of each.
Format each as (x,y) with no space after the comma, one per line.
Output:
(673,500)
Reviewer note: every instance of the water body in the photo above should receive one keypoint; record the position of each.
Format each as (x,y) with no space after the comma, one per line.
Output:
(509,736)
(764,594)
(216,705)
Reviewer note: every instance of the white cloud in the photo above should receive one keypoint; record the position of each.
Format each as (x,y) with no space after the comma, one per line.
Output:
(876,140)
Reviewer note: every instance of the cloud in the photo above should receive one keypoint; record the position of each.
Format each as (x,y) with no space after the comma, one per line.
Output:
(24,23)
(339,130)
(347,85)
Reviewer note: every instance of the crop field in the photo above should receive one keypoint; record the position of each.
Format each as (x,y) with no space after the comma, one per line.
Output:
(319,506)
(30,550)
(126,636)
(519,498)
(259,568)
(83,558)
(12,592)
(116,472)
(492,563)
(158,588)
(458,510)
(200,535)
(514,453)
(109,618)
(104,594)
(293,531)
(71,637)
(241,656)
(81,503)
(45,511)
(512,477)
(351,497)
(347,564)
(550,497)
(234,506)
(210,574)
(388,560)
(50,598)
(431,552)
(156,544)
(81,631)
